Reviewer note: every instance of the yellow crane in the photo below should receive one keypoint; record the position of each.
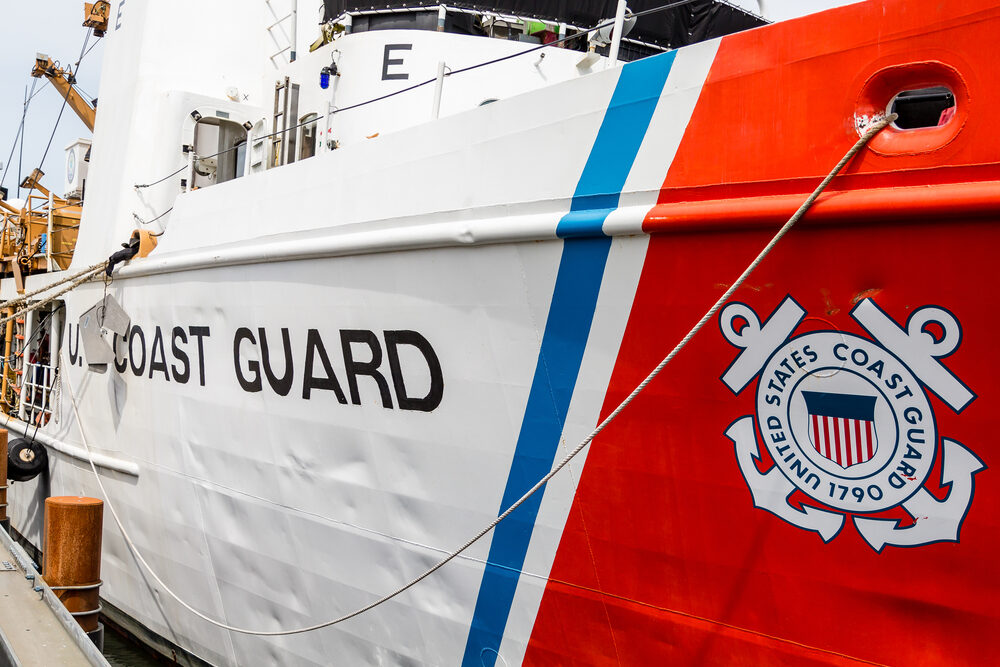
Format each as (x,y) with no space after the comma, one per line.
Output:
(39,234)
(63,80)
(95,17)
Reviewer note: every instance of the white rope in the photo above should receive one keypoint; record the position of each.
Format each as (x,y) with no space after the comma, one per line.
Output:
(86,274)
(872,131)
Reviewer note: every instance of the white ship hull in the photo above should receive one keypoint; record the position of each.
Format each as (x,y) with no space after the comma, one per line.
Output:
(276,504)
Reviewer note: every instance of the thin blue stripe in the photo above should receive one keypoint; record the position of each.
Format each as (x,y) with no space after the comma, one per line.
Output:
(567,328)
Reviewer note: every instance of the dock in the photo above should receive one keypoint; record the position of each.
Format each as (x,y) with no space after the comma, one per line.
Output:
(35,627)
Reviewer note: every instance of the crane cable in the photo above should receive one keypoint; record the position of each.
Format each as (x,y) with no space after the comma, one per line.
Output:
(62,108)
(30,95)
(33,93)
(55,127)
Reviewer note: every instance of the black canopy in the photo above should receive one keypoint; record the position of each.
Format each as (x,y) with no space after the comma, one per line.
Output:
(692,22)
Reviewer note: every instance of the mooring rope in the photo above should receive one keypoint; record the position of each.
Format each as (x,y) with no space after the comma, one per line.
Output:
(24,297)
(874,129)
(75,281)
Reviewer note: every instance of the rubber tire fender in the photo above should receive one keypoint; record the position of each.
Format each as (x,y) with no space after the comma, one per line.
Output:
(25,459)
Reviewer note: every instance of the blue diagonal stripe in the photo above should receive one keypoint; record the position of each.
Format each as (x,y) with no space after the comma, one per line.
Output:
(567,328)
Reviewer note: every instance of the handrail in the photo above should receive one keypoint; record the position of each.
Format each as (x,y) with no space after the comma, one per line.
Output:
(421,84)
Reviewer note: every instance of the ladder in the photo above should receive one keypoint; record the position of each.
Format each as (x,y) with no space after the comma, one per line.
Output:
(13,372)
(286,111)
(283,41)
(279,147)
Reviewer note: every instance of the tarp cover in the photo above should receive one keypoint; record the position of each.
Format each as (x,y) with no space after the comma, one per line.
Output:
(693,22)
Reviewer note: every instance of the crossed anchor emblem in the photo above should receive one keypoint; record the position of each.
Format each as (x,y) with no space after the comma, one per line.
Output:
(846,419)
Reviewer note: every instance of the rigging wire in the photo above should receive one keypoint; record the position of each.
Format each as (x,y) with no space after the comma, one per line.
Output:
(35,94)
(872,130)
(421,84)
(31,339)
(5,361)
(55,127)
(20,130)
(32,95)
(76,84)
(149,222)
(20,153)
(39,403)
(65,100)
(83,92)
(25,346)
(85,51)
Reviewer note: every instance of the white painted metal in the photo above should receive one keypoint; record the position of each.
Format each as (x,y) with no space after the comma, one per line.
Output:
(438,90)
(616,38)
(294,29)
(273,510)
(284,42)
(76,168)
(72,451)
(22,349)
(37,382)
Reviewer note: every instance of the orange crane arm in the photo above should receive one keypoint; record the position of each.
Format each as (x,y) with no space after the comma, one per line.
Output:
(44,67)
(95,15)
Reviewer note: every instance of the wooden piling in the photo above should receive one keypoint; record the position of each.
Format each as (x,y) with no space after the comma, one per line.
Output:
(72,555)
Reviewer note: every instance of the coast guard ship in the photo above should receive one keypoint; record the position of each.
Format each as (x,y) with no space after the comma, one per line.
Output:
(377,287)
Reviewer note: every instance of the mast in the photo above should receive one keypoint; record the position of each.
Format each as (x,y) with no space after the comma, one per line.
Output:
(616,38)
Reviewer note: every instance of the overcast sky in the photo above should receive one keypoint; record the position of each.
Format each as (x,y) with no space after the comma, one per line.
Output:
(54,27)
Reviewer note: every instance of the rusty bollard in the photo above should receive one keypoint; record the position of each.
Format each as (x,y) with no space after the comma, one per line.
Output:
(4,519)
(72,557)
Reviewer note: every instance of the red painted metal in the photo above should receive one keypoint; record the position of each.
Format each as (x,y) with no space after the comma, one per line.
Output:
(665,559)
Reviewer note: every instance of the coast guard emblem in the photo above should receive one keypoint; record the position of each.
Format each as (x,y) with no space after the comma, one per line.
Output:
(846,420)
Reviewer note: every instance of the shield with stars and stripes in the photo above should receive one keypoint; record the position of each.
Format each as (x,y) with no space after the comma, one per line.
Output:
(842,426)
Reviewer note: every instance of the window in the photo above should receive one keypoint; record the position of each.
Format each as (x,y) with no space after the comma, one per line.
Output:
(221,149)
(241,159)
(33,363)
(307,143)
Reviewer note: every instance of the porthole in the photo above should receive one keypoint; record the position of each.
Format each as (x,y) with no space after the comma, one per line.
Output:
(930,98)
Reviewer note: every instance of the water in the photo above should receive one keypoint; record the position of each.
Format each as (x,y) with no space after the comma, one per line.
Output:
(123,652)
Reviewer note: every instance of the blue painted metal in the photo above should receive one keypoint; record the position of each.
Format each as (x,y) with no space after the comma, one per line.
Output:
(567,328)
